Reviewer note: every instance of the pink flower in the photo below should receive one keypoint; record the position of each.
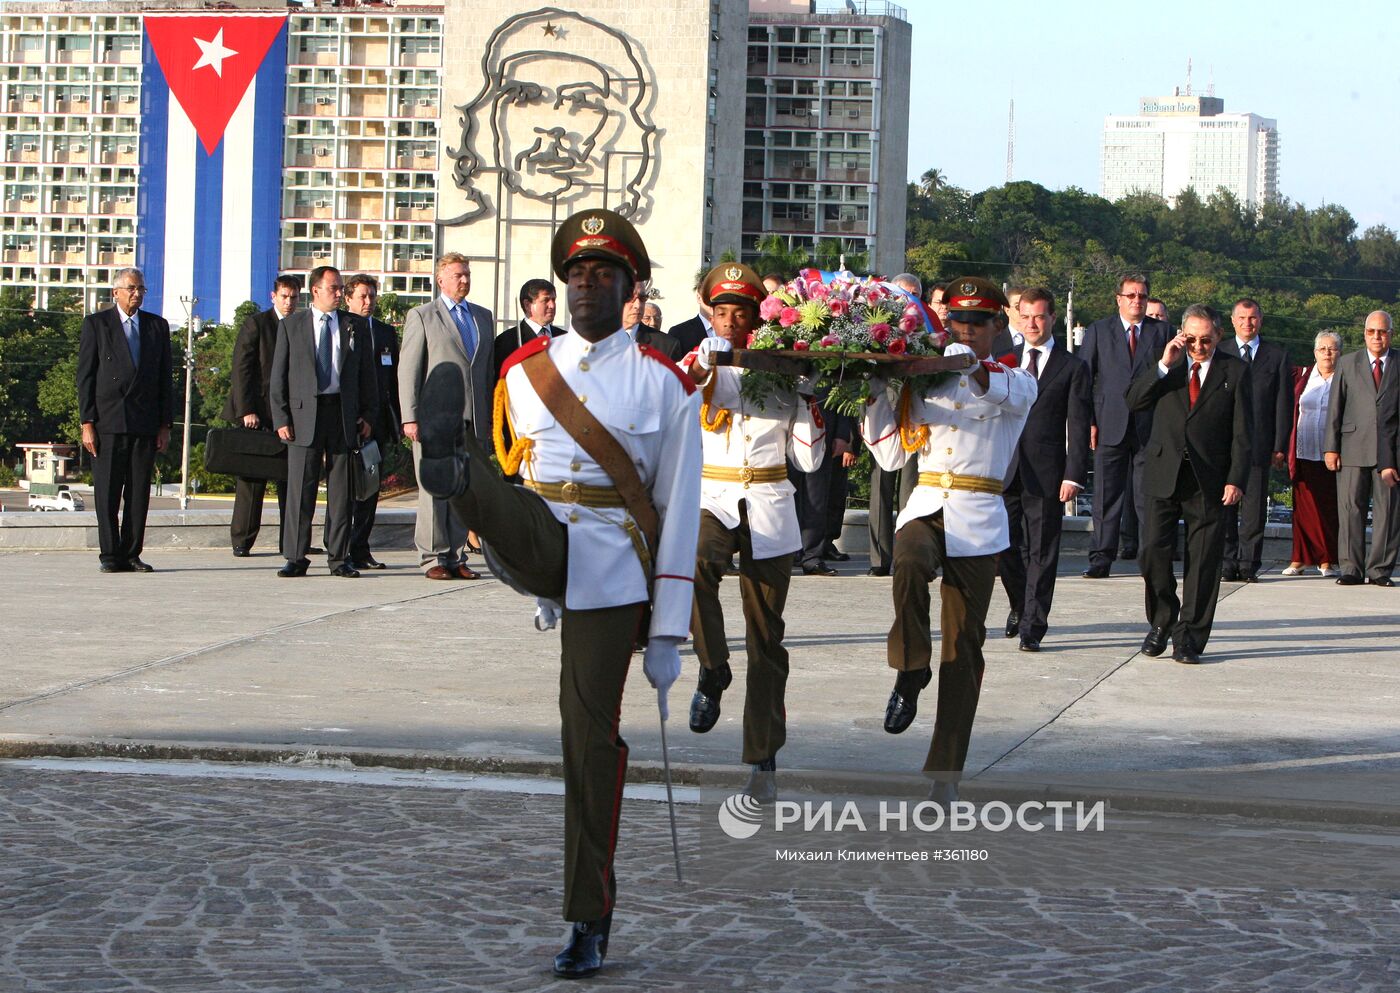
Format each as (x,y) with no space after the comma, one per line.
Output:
(830,341)
(807,275)
(875,294)
(908,324)
(788,316)
(770,308)
(748,342)
(880,332)
(800,346)
(912,311)
(940,339)
(838,307)
(895,346)
(817,290)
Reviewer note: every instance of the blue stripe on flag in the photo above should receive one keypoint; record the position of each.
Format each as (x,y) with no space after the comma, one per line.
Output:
(150,213)
(208,229)
(268,129)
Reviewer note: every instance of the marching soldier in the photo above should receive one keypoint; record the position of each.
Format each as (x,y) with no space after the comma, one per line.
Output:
(964,432)
(607,440)
(747,507)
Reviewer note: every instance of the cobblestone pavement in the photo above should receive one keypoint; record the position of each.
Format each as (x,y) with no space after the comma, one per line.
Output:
(120,882)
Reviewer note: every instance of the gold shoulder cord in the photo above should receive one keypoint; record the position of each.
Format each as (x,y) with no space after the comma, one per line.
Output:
(520,448)
(719,421)
(913,439)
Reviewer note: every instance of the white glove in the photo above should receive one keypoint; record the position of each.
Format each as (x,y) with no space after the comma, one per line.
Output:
(546,614)
(709,346)
(958,348)
(662,664)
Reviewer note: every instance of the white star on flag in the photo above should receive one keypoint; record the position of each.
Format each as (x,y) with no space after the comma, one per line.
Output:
(213,53)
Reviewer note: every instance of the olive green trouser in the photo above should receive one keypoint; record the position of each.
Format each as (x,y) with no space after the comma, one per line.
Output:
(763,584)
(596,652)
(920,548)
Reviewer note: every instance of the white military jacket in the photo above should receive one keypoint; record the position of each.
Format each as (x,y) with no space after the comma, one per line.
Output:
(653,410)
(970,434)
(788,426)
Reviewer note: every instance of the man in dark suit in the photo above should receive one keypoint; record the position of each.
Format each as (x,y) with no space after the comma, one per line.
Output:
(124,404)
(1116,349)
(361,292)
(1051,466)
(324,403)
(1197,464)
(449,329)
(821,493)
(1357,451)
(690,333)
(1271,386)
(644,334)
(538,304)
(250,405)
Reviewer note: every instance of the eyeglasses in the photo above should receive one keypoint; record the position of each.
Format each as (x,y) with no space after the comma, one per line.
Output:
(1197,342)
(131,289)
(1133,296)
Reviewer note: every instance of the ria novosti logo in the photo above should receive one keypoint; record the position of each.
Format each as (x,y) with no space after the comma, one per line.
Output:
(741,816)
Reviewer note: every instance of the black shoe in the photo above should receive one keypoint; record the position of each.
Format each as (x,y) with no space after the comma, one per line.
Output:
(315,550)
(1186,652)
(1349,580)
(242,551)
(704,706)
(763,782)
(1155,643)
(820,569)
(442,466)
(835,555)
(369,562)
(136,565)
(878,570)
(1383,581)
(1249,577)
(113,567)
(1013,623)
(1097,572)
(904,700)
(587,947)
(1030,645)
(345,571)
(1230,574)
(1128,554)
(292,570)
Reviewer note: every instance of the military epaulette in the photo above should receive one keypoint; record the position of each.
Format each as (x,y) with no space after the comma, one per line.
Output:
(536,344)
(686,381)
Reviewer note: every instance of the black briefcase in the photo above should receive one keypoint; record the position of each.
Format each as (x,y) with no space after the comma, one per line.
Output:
(245,452)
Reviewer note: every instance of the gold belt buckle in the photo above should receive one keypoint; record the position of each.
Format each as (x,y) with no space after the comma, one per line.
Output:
(570,492)
(746,475)
(947,480)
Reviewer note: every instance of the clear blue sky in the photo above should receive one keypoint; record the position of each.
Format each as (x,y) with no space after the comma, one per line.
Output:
(1328,73)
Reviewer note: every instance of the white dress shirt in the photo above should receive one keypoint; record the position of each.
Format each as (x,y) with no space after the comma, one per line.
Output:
(1312,415)
(647,407)
(316,315)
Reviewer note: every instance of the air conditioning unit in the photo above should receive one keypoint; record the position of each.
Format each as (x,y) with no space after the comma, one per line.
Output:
(322,203)
(423,153)
(126,149)
(32,97)
(852,113)
(80,98)
(425,102)
(325,101)
(128,98)
(321,253)
(323,150)
(420,205)
(125,198)
(29,146)
(29,197)
(78,147)
(76,197)
(420,256)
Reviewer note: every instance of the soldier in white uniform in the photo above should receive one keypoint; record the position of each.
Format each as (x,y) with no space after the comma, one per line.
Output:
(569,534)
(964,432)
(747,507)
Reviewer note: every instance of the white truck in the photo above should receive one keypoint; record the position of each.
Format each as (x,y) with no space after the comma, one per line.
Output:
(53,496)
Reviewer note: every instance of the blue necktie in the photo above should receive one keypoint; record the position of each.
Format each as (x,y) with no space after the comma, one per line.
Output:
(324,359)
(466,327)
(133,341)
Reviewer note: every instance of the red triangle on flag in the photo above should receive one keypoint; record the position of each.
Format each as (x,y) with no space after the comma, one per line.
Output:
(209,61)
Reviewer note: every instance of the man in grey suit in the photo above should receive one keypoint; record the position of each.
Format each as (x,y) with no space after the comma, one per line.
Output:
(452,330)
(1351,448)
(324,399)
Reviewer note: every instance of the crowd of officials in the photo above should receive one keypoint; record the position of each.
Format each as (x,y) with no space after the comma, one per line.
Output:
(631,509)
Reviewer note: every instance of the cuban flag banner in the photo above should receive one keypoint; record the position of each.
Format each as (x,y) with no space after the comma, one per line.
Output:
(213,90)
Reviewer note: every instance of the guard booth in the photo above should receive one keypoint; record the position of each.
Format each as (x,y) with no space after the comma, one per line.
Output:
(48,462)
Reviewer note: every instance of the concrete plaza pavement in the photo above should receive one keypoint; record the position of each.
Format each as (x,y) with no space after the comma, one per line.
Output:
(211,656)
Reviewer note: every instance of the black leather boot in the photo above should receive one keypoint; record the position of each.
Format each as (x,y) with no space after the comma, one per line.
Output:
(587,947)
(904,701)
(704,706)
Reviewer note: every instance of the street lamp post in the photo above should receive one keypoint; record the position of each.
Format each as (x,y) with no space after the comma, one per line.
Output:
(192,324)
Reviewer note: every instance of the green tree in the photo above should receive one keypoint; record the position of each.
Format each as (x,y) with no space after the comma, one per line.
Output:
(57,396)
(245,310)
(776,255)
(391,309)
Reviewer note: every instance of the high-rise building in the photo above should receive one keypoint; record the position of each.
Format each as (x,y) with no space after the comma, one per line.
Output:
(1181,141)
(87,187)
(825,127)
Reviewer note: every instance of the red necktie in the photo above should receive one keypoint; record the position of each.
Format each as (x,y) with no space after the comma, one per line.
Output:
(1132,341)
(1376,372)
(1194,390)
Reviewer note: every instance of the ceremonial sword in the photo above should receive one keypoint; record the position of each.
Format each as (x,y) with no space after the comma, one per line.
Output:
(670,803)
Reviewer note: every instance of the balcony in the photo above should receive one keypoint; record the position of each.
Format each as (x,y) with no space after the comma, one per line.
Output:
(368,105)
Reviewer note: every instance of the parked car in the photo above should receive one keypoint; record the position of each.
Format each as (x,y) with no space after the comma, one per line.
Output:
(53,497)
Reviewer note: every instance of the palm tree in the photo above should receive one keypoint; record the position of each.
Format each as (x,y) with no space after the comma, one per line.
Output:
(932,181)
